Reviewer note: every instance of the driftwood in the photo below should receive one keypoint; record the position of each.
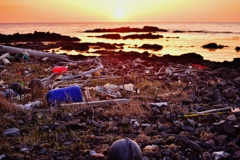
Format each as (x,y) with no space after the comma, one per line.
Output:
(15,50)
(97,103)
(4,56)
(50,79)
(98,68)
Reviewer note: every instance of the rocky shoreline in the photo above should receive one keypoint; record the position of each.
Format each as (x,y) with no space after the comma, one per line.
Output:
(182,107)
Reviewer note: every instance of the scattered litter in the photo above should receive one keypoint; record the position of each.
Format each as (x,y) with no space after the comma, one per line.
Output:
(134,123)
(109,89)
(168,71)
(3,156)
(30,105)
(64,95)
(160,104)
(98,103)
(95,154)
(9,93)
(59,69)
(128,87)
(6,61)
(151,148)
(199,66)
(220,154)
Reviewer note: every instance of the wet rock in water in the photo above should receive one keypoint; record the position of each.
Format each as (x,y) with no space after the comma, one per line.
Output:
(142,36)
(110,36)
(11,132)
(35,84)
(213,46)
(179,31)
(151,46)
(36,36)
(74,46)
(229,93)
(128,29)
(237,48)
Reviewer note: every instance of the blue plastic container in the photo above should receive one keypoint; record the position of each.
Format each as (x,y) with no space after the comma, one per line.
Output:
(64,95)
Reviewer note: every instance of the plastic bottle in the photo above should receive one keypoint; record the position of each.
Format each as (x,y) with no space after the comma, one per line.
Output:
(64,95)
(59,69)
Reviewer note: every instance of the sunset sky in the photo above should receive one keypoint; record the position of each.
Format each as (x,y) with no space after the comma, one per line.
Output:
(18,11)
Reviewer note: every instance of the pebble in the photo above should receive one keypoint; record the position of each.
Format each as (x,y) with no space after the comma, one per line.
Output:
(11,132)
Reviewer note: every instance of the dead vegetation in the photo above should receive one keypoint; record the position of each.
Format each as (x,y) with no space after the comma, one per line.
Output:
(86,127)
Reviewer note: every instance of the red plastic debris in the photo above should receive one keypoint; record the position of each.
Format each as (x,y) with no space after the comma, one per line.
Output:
(59,69)
(199,66)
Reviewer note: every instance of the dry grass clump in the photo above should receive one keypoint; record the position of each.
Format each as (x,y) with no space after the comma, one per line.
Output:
(6,107)
(126,111)
(24,72)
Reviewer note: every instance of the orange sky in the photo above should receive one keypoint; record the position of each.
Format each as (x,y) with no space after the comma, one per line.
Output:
(17,11)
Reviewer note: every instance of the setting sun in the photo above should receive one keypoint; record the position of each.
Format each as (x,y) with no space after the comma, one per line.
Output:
(119,13)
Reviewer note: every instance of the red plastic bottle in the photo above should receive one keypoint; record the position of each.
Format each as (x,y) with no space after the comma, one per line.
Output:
(59,69)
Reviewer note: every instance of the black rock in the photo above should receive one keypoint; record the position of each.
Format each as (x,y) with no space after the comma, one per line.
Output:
(237,48)
(194,146)
(213,46)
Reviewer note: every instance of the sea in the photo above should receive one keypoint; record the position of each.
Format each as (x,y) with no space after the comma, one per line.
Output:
(191,40)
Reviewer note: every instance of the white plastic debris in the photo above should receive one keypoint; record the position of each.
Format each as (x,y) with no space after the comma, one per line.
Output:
(134,123)
(3,156)
(220,154)
(6,61)
(160,104)
(168,71)
(95,154)
(128,87)
(30,105)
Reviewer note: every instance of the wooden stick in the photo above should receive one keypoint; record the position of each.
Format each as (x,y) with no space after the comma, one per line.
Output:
(4,56)
(15,50)
(99,67)
(97,103)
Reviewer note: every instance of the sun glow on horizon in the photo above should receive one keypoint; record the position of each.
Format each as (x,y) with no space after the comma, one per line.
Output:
(120,13)
(13,11)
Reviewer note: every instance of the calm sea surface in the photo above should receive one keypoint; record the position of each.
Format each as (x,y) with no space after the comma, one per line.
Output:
(196,35)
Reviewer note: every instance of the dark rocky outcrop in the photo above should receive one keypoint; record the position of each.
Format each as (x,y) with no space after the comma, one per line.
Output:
(213,46)
(142,36)
(74,46)
(132,36)
(184,58)
(36,36)
(110,36)
(155,47)
(128,29)
(178,31)
(237,48)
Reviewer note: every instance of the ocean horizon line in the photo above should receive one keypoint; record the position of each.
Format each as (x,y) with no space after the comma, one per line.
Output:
(104,22)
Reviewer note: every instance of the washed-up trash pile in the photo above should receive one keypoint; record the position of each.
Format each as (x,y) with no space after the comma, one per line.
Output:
(187,110)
